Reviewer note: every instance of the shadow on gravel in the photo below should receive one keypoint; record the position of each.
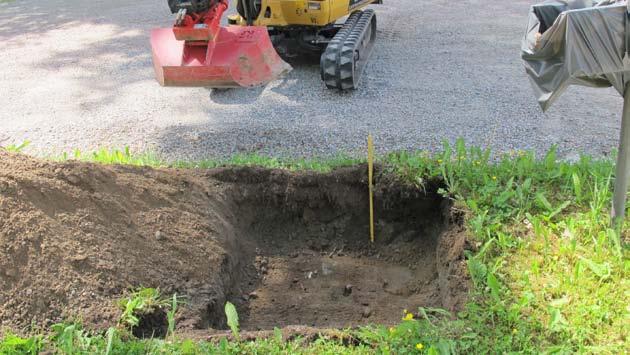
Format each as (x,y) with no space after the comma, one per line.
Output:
(235,96)
(106,66)
(103,47)
(300,86)
(31,16)
(17,18)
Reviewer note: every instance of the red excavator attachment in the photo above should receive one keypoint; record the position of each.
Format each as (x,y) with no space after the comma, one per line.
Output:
(197,51)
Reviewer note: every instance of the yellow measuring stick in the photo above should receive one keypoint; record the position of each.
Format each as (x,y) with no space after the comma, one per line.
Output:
(370,185)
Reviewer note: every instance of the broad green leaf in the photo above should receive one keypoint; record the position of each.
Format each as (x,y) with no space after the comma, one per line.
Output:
(543,202)
(232,318)
(560,208)
(494,285)
(557,321)
(601,270)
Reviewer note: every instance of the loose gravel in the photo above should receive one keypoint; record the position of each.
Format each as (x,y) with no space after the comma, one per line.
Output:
(80,76)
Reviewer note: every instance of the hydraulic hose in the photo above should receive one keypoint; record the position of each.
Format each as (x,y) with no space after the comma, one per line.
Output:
(247,9)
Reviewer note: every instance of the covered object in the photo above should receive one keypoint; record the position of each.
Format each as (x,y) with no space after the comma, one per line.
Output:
(575,42)
(582,42)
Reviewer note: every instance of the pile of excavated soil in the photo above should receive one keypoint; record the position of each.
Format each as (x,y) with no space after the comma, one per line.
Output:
(287,248)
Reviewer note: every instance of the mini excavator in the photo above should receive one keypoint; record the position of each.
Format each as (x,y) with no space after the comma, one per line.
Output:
(198,51)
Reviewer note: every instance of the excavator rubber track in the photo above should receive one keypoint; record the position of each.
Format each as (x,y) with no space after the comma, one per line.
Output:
(346,55)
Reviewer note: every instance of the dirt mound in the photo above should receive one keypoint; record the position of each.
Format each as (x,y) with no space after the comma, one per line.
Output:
(286,248)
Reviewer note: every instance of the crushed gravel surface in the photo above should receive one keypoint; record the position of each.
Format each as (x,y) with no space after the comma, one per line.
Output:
(75,75)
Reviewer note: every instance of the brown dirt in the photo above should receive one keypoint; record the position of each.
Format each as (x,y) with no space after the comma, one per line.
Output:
(287,248)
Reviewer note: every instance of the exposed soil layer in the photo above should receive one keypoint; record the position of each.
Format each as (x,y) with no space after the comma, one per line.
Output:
(287,248)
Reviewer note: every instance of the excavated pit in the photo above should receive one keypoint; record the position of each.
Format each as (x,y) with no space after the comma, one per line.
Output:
(287,248)
(307,258)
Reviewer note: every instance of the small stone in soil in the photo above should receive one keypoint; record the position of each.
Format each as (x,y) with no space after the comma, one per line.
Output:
(367,312)
(158,235)
(347,290)
(253,295)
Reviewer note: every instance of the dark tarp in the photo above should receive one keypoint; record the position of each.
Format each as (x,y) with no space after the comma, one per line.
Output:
(576,42)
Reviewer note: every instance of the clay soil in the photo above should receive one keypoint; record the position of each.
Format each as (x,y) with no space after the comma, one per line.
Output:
(287,248)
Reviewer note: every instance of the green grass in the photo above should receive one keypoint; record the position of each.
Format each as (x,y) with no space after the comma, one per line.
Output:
(125,156)
(139,303)
(549,274)
(16,148)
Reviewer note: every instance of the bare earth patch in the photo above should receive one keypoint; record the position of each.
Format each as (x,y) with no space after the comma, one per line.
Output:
(287,248)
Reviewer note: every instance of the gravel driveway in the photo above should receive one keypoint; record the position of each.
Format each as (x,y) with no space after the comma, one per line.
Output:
(79,76)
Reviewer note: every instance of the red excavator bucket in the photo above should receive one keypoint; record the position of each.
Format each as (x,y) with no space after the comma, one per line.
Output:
(194,54)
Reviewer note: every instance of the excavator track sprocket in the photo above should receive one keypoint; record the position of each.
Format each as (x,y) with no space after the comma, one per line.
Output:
(345,57)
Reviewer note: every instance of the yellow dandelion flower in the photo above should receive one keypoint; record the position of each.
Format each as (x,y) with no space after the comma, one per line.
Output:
(439,161)
(419,346)
(494,178)
(408,316)
(514,331)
